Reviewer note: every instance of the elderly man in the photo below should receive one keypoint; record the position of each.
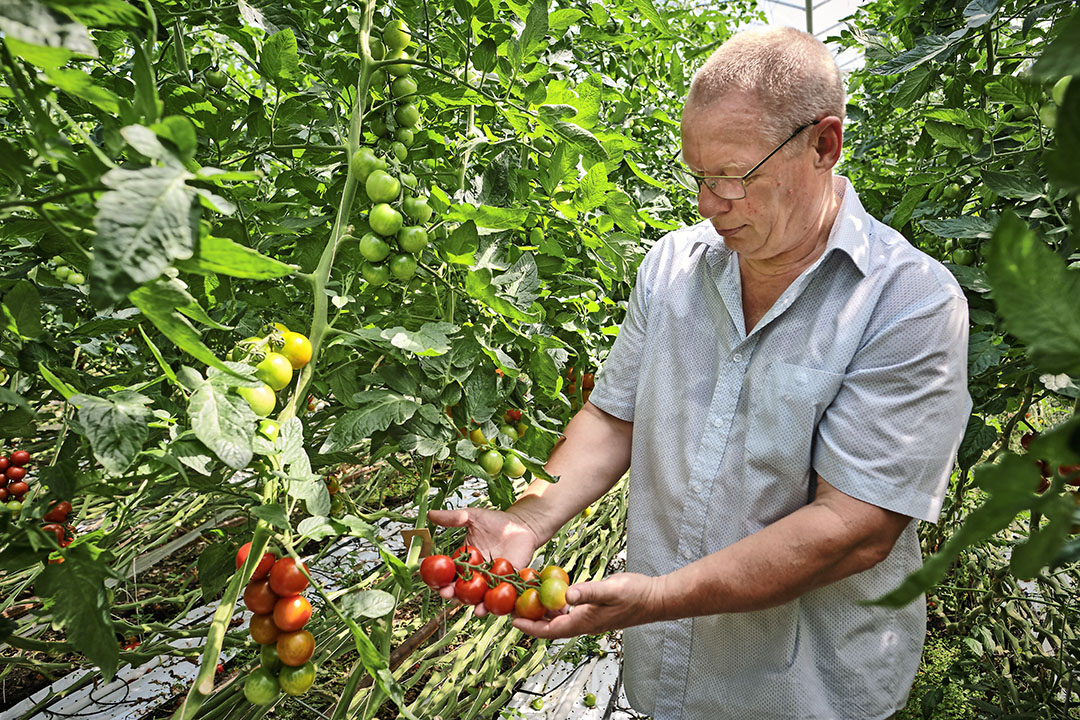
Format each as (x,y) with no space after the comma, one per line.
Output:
(789,388)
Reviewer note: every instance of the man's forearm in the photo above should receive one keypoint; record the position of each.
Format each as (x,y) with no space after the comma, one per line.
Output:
(817,545)
(591,457)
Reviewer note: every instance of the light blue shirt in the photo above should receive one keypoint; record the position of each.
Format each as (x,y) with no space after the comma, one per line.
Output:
(857,373)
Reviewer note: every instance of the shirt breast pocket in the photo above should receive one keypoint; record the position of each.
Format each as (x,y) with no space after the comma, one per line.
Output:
(783,415)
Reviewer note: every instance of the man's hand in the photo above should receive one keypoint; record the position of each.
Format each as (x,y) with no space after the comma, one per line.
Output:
(617,602)
(495,533)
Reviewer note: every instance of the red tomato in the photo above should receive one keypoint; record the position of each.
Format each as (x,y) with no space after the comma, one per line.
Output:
(471,591)
(295,648)
(501,598)
(469,554)
(588,381)
(15,472)
(259,597)
(20,457)
(58,512)
(4,462)
(263,630)
(502,566)
(292,613)
(17,489)
(262,569)
(3,494)
(437,571)
(528,605)
(286,578)
(55,529)
(529,576)
(3,480)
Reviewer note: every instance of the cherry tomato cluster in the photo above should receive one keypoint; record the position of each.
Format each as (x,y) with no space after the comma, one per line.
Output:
(492,460)
(275,356)
(392,247)
(281,612)
(1071,473)
(14,483)
(588,382)
(503,589)
(65,273)
(56,523)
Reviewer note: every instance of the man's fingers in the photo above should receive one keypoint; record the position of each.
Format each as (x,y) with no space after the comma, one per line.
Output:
(447,593)
(449,518)
(587,592)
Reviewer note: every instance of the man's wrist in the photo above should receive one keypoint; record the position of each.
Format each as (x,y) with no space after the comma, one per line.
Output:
(527,510)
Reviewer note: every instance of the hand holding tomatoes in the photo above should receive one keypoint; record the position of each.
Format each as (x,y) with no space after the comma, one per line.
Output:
(619,601)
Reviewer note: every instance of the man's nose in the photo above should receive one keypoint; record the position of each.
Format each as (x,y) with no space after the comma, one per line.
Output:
(709,205)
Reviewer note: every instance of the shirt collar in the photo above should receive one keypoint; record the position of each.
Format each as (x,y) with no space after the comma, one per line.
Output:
(850,232)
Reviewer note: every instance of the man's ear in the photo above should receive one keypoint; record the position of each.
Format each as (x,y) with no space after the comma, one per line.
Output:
(828,142)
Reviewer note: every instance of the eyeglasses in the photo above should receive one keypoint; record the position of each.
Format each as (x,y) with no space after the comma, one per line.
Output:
(727,187)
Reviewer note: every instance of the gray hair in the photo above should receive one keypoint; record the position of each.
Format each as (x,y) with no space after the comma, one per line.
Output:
(793,74)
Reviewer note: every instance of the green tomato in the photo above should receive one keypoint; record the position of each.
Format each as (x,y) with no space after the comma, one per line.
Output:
(261,399)
(396,35)
(589,700)
(408,181)
(57,260)
(374,248)
(553,593)
(216,79)
(951,192)
(364,162)
(378,126)
(14,507)
(405,136)
(537,704)
(382,187)
(403,267)
(297,680)
(1058,93)
(62,273)
(384,219)
(401,68)
(269,659)
(76,278)
(377,48)
(412,239)
(417,208)
(261,687)
(963,256)
(378,80)
(269,429)
(376,275)
(275,370)
(509,431)
(1048,116)
(543,144)
(407,115)
(491,461)
(403,87)
(398,150)
(513,467)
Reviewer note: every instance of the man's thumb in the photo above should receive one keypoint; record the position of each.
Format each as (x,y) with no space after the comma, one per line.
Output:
(586,592)
(449,518)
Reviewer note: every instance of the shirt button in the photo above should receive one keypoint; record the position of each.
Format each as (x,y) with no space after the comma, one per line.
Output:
(717,422)
(736,357)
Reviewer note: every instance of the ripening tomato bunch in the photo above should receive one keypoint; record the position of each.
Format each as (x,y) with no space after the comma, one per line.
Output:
(14,483)
(274,356)
(1071,473)
(503,589)
(588,381)
(492,459)
(56,523)
(281,612)
(399,209)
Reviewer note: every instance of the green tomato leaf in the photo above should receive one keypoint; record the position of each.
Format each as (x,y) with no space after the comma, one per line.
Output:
(378,410)
(280,61)
(224,422)
(1037,295)
(116,427)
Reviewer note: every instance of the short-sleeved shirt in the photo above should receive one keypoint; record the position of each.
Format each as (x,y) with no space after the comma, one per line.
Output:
(858,373)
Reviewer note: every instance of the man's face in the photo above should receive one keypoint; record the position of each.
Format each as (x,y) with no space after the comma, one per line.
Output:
(723,139)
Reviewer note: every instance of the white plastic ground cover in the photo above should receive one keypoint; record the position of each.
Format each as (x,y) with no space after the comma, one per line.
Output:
(562,686)
(136,691)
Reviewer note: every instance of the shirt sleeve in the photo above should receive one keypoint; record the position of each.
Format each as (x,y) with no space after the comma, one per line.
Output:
(616,383)
(891,434)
